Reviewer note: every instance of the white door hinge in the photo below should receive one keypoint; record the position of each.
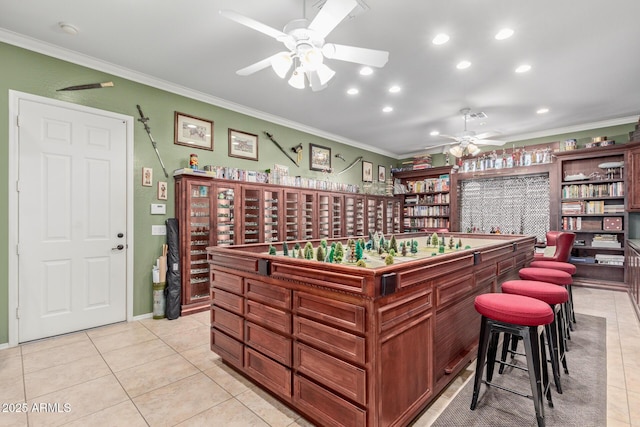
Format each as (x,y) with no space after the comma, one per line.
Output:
(17,312)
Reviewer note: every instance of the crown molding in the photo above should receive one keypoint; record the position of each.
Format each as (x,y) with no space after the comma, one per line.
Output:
(57,52)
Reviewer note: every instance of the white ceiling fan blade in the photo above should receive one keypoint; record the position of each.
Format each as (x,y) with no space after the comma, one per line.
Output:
(489,142)
(260,65)
(455,138)
(253,24)
(359,55)
(331,14)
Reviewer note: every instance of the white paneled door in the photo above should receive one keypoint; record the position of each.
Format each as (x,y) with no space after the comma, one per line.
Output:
(72,239)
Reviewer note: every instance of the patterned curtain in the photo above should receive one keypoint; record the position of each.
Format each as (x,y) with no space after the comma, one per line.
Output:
(517,205)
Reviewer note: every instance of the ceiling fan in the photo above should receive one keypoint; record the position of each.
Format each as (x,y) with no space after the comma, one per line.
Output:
(468,141)
(306,47)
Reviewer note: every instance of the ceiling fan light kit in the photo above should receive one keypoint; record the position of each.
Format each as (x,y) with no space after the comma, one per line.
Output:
(306,47)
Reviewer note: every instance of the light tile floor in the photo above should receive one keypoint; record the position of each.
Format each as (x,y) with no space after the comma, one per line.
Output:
(162,373)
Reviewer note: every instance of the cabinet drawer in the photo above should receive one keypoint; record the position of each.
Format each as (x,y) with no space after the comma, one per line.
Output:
(334,341)
(268,316)
(340,376)
(228,301)
(226,347)
(272,375)
(270,343)
(230,323)
(229,282)
(326,406)
(268,294)
(336,313)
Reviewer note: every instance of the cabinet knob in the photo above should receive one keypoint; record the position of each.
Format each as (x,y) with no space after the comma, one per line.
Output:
(118,248)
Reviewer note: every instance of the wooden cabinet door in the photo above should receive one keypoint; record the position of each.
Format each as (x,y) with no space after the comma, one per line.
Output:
(633,178)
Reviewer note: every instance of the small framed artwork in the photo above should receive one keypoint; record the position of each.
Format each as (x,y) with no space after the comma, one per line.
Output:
(382,173)
(367,171)
(162,190)
(243,145)
(193,131)
(147,177)
(319,158)
(281,170)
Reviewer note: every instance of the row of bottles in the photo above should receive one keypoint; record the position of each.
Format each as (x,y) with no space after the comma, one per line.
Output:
(494,160)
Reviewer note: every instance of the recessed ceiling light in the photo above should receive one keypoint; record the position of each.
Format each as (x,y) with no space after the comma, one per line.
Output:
(366,71)
(353,91)
(523,68)
(440,39)
(395,89)
(387,109)
(504,33)
(543,110)
(463,64)
(434,133)
(68,28)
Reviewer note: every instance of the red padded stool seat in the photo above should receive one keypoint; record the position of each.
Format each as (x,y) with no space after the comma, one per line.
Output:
(548,275)
(555,296)
(567,267)
(519,316)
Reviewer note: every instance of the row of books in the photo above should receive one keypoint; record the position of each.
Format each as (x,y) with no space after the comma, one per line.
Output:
(575,191)
(590,207)
(429,185)
(426,210)
(428,199)
(413,223)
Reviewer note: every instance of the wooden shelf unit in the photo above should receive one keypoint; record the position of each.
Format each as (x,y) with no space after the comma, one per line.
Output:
(589,207)
(426,208)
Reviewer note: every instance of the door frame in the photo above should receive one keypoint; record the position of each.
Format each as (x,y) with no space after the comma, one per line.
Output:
(14,98)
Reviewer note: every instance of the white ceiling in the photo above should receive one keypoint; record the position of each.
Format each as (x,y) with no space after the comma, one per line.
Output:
(585,58)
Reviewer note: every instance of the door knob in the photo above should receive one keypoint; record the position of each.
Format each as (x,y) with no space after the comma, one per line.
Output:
(119,248)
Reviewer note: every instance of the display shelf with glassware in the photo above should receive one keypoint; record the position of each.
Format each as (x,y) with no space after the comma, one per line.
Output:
(593,206)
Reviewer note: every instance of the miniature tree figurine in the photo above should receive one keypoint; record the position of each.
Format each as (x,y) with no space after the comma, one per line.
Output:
(330,255)
(323,243)
(434,240)
(459,243)
(285,249)
(320,253)
(361,263)
(308,251)
(403,247)
(338,254)
(358,252)
(392,252)
(388,260)
(300,254)
(272,250)
(414,247)
(296,246)
(451,243)
(393,243)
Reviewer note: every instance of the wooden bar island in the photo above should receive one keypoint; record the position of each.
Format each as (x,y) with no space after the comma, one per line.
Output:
(352,346)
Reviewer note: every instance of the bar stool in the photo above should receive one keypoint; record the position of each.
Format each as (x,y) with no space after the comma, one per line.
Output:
(563,266)
(519,316)
(557,277)
(555,296)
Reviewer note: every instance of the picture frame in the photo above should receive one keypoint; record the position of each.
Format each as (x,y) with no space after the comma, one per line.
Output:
(367,171)
(243,145)
(319,158)
(147,177)
(193,132)
(382,173)
(162,190)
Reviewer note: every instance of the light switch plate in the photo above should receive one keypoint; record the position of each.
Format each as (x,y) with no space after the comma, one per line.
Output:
(158,209)
(158,230)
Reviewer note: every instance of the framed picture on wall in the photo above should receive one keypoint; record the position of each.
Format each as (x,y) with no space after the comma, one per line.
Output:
(319,158)
(243,145)
(193,131)
(382,173)
(367,171)
(162,190)
(147,177)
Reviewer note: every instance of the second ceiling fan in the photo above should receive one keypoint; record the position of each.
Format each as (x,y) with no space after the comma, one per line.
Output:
(467,141)
(306,47)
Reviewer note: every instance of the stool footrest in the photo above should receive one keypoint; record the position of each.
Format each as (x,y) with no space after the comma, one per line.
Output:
(519,393)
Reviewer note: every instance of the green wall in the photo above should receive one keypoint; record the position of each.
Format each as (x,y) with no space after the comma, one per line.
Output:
(25,71)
